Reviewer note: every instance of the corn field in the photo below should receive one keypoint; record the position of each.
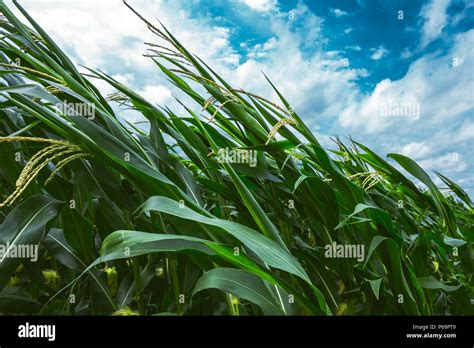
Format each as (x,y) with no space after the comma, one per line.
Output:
(229,206)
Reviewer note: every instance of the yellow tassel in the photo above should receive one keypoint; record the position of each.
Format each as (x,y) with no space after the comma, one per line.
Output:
(281,123)
(41,159)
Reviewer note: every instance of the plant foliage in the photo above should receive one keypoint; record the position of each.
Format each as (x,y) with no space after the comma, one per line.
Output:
(134,222)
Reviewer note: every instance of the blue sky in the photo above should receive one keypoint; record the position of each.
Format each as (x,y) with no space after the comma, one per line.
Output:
(342,64)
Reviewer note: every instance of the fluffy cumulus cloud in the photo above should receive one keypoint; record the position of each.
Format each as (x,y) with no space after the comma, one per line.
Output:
(111,38)
(319,85)
(106,34)
(434,16)
(156,94)
(261,5)
(434,91)
(338,12)
(378,53)
(416,150)
(425,114)
(449,150)
(421,114)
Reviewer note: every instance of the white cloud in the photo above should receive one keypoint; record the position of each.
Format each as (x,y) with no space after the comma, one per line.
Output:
(354,47)
(338,12)
(261,5)
(451,162)
(321,87)
(159,94)
(93,37)
(444,93)
(442,136)
(453,21)
(444,140)
(379,53)
(262,50)
(313,83)
(416,150)
(124,78)
(445,152)
(113,36)
(466,131)
(406,53)
(435,18)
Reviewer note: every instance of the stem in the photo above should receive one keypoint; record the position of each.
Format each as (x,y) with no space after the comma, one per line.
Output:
(228,298)
(173,270)
(138,285)
(175,280)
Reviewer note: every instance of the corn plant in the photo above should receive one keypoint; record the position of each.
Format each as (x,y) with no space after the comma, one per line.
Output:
(229,206)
